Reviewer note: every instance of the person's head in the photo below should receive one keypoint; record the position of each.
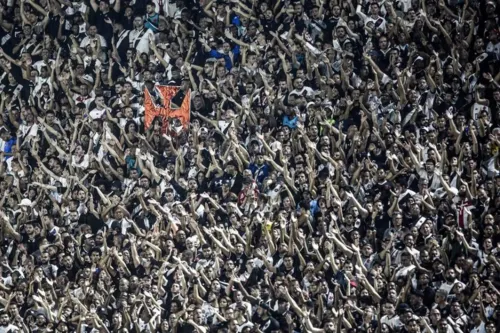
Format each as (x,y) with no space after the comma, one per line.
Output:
(416,299)
(430,164)
(383,43)
(490,327)
(288,262)
(341,31)
(388,308)
(4,318)
(92,31)
(450,274)
(150,8)
(138,22)
(375,8)
(5,134)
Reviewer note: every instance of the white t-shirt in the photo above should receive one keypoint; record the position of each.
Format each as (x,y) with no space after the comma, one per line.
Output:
(84,99)
(96,113)
(405,5)
(480,329)
(40,63)
(403,271)
(88,40)
(140,39)
(28,130)
(493,48)
(393,322)
(80,163)
(309,91)
(62,180)
(9,329)
(447,286)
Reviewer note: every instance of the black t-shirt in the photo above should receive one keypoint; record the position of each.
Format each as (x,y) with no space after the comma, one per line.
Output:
(32,244)
(331,24)
(94,223)
(178,98)
(294,272)
(6,40)
(69,272)
(385,191)
(53,25)
(269,25)
(429,296)
(239,261)
(104,29)
(140,270)
(382,223)
(266,325)
(185,328)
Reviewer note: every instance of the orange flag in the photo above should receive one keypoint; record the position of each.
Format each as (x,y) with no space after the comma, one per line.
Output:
(166,111)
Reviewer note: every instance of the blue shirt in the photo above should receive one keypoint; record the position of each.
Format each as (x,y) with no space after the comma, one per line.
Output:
(130,162)
(260,171)
(292,123)
(229,64)
(7,148)
(151,22)
(313,207)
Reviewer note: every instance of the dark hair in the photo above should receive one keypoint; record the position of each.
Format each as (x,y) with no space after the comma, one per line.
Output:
(95,249)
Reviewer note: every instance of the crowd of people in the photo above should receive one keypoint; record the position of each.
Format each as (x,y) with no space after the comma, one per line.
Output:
(339,173)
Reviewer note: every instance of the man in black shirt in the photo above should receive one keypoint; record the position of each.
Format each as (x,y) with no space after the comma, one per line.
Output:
(104,15)
(263,320)
(30,238)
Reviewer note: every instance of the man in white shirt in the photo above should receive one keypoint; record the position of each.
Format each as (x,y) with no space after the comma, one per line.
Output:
(45,62)
(99,109)
(84,96)
(390,318)
(92,37)
(377,20)
(140,36)
(431,173)
(493,45)
(4,323)
(450,277)
(169,8)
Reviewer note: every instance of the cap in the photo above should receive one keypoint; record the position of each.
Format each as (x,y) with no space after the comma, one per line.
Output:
(117,184)
(404,308)
(25,202)
(347,41)
(491,3)
(366,243)
(171,160)
(41,313)
(89,78)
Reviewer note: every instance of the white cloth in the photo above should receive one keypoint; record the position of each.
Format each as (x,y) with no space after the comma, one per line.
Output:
(88,40)
(139,39)
(9,328)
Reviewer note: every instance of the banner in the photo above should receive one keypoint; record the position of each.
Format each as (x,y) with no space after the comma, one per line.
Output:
(174,114)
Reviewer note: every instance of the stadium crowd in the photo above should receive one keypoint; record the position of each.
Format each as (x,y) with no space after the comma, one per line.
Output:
(339,173)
